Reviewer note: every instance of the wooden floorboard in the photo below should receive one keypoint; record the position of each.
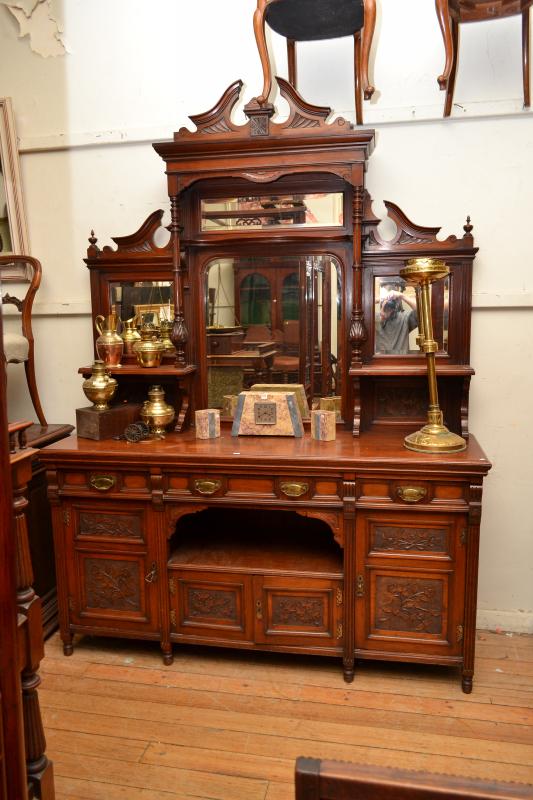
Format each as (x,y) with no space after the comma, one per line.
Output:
(227,724)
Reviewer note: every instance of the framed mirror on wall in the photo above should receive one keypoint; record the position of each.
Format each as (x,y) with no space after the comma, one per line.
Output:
(13,230)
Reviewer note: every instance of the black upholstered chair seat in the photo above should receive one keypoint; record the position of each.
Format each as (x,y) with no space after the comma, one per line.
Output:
(308,20)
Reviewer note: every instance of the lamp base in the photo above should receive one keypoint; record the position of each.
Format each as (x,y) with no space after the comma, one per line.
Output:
(434,438)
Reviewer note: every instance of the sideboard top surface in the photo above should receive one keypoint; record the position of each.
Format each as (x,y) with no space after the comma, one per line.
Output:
(375,449)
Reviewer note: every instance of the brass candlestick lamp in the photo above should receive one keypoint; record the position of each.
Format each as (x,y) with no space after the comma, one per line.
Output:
(433,437)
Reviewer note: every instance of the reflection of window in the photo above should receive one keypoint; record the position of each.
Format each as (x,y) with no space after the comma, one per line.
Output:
(255,300)
(290,297)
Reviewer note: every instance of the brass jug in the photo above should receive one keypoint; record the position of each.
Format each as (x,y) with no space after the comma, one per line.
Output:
(100,387)
(155,412)
(109,345)
(129,335)
(149,350)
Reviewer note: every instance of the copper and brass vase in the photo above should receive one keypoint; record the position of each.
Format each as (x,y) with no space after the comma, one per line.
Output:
(100,387)
(109,345)
(149,349)
(156,413)
(434,437)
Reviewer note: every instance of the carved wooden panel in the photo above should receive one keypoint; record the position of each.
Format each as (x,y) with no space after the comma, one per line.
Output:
(214,603)
(298,612)
(393,401)
(388,538)
(112,583)
(413,605)
(116,526)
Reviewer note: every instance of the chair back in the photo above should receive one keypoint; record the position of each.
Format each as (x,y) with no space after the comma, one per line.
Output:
(24,272)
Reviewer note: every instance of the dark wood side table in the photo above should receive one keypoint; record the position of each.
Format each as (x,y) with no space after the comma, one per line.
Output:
(40,523)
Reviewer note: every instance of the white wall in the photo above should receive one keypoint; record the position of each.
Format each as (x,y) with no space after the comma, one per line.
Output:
(131,73)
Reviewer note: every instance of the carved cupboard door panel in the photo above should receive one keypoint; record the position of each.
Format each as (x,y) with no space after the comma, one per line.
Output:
(113,573)
(211,605)
(410,576)
(298,611)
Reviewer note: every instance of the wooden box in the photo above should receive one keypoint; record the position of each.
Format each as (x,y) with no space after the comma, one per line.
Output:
(97,425)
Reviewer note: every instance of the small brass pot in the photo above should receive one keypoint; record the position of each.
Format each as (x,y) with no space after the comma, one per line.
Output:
(149,350)
(100,387)
(155,412)
(166,329)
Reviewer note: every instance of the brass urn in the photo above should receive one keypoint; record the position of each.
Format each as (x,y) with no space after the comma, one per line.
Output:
(155,412)
(149,350)
(109,345)
(100,387)
(166,329)
(129,335)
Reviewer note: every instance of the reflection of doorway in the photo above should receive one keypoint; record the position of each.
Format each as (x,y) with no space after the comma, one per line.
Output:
(255,300)
(268,292)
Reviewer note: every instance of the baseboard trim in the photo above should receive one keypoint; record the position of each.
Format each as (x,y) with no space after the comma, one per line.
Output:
(513,621)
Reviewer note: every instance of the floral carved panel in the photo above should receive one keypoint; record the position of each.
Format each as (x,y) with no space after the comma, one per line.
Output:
(391,538)
(299,612)
(409,604)
(112,584)
(212,603)
(117,526)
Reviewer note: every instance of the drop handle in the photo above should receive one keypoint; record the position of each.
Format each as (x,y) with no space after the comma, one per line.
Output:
(152,575)
(258,609)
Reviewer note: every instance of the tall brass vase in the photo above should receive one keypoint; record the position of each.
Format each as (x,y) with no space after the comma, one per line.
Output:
(434,437)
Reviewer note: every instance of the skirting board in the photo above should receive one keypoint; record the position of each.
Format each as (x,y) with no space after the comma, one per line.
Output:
(513,621)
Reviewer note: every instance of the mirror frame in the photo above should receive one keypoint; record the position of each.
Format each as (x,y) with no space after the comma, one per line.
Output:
(9,157)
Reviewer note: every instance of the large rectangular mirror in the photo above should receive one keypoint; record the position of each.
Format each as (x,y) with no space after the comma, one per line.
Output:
(13,232)
(273,320)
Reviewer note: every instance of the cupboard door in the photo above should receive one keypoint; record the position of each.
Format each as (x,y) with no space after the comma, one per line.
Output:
(298,612)
(410,575)
(112,568)
(211,605)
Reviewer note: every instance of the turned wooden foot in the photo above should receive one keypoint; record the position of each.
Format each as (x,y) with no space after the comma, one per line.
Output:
(68,648)
(348,671)
(168,655)
(467,683)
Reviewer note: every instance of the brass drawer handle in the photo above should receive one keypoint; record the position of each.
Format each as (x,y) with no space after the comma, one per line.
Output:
(411,494)
(102,483)
(207,487)
(294,489)
(152,575)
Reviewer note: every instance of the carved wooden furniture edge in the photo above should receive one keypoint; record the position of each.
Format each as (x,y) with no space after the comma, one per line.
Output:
(409,235)
(141,241)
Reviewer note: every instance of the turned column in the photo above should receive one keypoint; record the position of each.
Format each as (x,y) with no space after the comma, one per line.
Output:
(180,334)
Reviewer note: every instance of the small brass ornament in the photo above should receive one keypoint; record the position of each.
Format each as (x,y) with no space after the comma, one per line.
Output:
(130,335)
(434,437)
(149,350)
(109,344)
(100,387)
(155,412)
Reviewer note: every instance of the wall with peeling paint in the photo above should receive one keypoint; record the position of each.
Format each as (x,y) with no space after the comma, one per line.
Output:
(93,83)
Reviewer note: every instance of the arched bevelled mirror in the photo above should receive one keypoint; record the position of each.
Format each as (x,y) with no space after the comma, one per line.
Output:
(273,320)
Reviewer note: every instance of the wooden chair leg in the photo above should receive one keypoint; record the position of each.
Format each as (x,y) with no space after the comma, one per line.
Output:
(525,56)
(368,35)
(357,78)
(291,62)
(260,38)
(450,88)
(29,367)
(443,15)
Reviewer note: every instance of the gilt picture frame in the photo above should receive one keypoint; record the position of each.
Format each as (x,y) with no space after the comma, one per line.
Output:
(13,227)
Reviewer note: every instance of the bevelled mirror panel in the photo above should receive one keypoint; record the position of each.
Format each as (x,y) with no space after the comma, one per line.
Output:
(143,301)
(264,212)
(273,320)
(396,317)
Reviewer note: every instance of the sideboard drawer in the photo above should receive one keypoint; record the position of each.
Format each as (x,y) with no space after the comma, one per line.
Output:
(102,482)
(411,491)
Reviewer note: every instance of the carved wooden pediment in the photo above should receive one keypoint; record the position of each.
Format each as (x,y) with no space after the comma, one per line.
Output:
(142,241)
(409,237)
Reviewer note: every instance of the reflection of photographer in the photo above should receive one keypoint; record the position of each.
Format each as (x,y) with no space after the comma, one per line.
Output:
(395,323)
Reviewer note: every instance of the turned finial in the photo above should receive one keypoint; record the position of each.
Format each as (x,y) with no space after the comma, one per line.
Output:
(92,238)
(468,227)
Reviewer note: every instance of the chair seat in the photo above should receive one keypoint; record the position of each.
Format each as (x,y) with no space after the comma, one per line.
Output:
(310,20)
(16,348)
(286,362)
